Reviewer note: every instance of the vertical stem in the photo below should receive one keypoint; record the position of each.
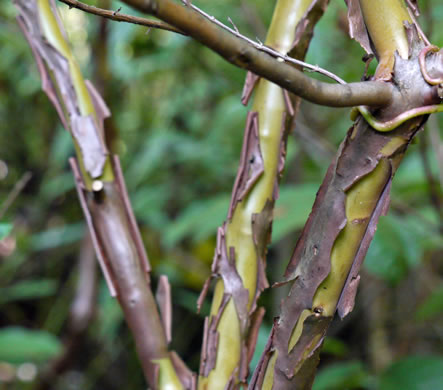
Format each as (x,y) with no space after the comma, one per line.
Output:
(246,233)
(355,193)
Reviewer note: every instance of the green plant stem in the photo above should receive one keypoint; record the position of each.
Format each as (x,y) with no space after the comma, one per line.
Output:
(250,217)
(324,268)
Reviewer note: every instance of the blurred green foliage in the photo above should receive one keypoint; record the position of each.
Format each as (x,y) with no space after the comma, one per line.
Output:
(177,125)
(20,345)
(414,373)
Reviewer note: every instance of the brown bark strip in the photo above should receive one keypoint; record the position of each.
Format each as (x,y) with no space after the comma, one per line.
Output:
(357,26)
(210,339)
(187,377)
(259,373)
(288,103)
(308,248)
(261,234)
(104,263)
(130,215)
(101,109)
(115,237)
(47,84)
(163,298)
(251,162)
(256,321)
(61,92)
(305,28)
(250,83)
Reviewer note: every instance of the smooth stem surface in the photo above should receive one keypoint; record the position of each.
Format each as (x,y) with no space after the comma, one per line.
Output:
(361,201)
(385,22)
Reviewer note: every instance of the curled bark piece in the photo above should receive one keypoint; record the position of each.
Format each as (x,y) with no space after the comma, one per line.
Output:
(256,321)
(304,31)
(357,26)
(261,234)
(392,124)
(130,215)
(233,285)
(187,377)
(62,82)
(104,263)
(210,339)
(248,88)
(163,298)
(251,162)
(101,109)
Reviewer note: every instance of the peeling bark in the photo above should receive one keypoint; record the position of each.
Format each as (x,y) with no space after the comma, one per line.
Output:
(57,69)
(240,258)
(103,196)
(324,269)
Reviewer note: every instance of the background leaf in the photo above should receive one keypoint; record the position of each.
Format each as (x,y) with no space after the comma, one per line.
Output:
(414,373)
(20,345)
(341,376)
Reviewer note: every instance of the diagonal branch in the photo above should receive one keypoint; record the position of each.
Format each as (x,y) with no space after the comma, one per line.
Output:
(246,56)
(102,191)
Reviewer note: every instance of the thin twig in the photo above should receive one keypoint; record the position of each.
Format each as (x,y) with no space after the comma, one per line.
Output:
(118,17)
(413,7)
(18,187)
(267,49)
(420,31)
